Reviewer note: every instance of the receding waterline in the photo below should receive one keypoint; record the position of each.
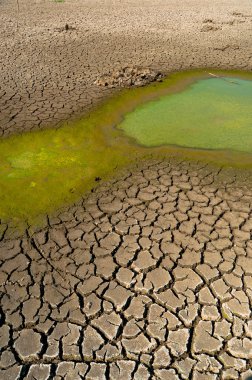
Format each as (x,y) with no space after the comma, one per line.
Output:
(44,170)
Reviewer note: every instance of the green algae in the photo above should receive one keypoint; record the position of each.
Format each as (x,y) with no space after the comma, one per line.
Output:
(210,114)
(44,170)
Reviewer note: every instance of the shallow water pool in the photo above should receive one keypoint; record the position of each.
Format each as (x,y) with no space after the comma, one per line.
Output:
(214,113)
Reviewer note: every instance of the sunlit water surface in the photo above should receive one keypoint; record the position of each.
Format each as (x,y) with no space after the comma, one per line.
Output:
(212,113)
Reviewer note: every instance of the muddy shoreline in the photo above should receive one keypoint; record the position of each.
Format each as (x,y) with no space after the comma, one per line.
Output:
(149,276)
(62,161)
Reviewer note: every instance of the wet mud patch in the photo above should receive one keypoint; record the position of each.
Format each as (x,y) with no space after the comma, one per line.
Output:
(42,171)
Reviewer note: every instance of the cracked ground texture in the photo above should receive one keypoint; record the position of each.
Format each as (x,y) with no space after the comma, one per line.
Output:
(149,277)
(47,74)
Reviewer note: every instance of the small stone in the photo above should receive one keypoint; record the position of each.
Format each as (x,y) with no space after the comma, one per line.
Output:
(128,77)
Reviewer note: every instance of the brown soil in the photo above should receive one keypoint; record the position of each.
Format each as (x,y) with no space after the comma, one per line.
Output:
(47,72)
(150,276)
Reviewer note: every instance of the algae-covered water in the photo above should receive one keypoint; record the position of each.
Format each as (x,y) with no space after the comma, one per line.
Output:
(212,113)
(44,170)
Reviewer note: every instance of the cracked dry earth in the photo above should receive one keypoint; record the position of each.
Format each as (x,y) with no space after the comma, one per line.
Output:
(150,277)
(47,73)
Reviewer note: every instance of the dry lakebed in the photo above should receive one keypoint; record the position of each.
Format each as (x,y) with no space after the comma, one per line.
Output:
(125,205)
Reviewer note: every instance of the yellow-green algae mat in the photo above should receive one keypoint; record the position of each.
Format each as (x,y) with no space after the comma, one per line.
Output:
(204,115)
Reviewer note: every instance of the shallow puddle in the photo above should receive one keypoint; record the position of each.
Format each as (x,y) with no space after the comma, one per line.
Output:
(212,113)
(44,170)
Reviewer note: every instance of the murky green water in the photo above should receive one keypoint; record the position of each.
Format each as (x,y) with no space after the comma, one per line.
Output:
(210,114)
(44,170)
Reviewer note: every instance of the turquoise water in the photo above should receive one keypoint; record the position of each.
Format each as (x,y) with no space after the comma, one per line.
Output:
(213,113)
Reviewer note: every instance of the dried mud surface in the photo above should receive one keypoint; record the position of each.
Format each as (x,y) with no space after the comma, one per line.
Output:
(47,73)
(150,276)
